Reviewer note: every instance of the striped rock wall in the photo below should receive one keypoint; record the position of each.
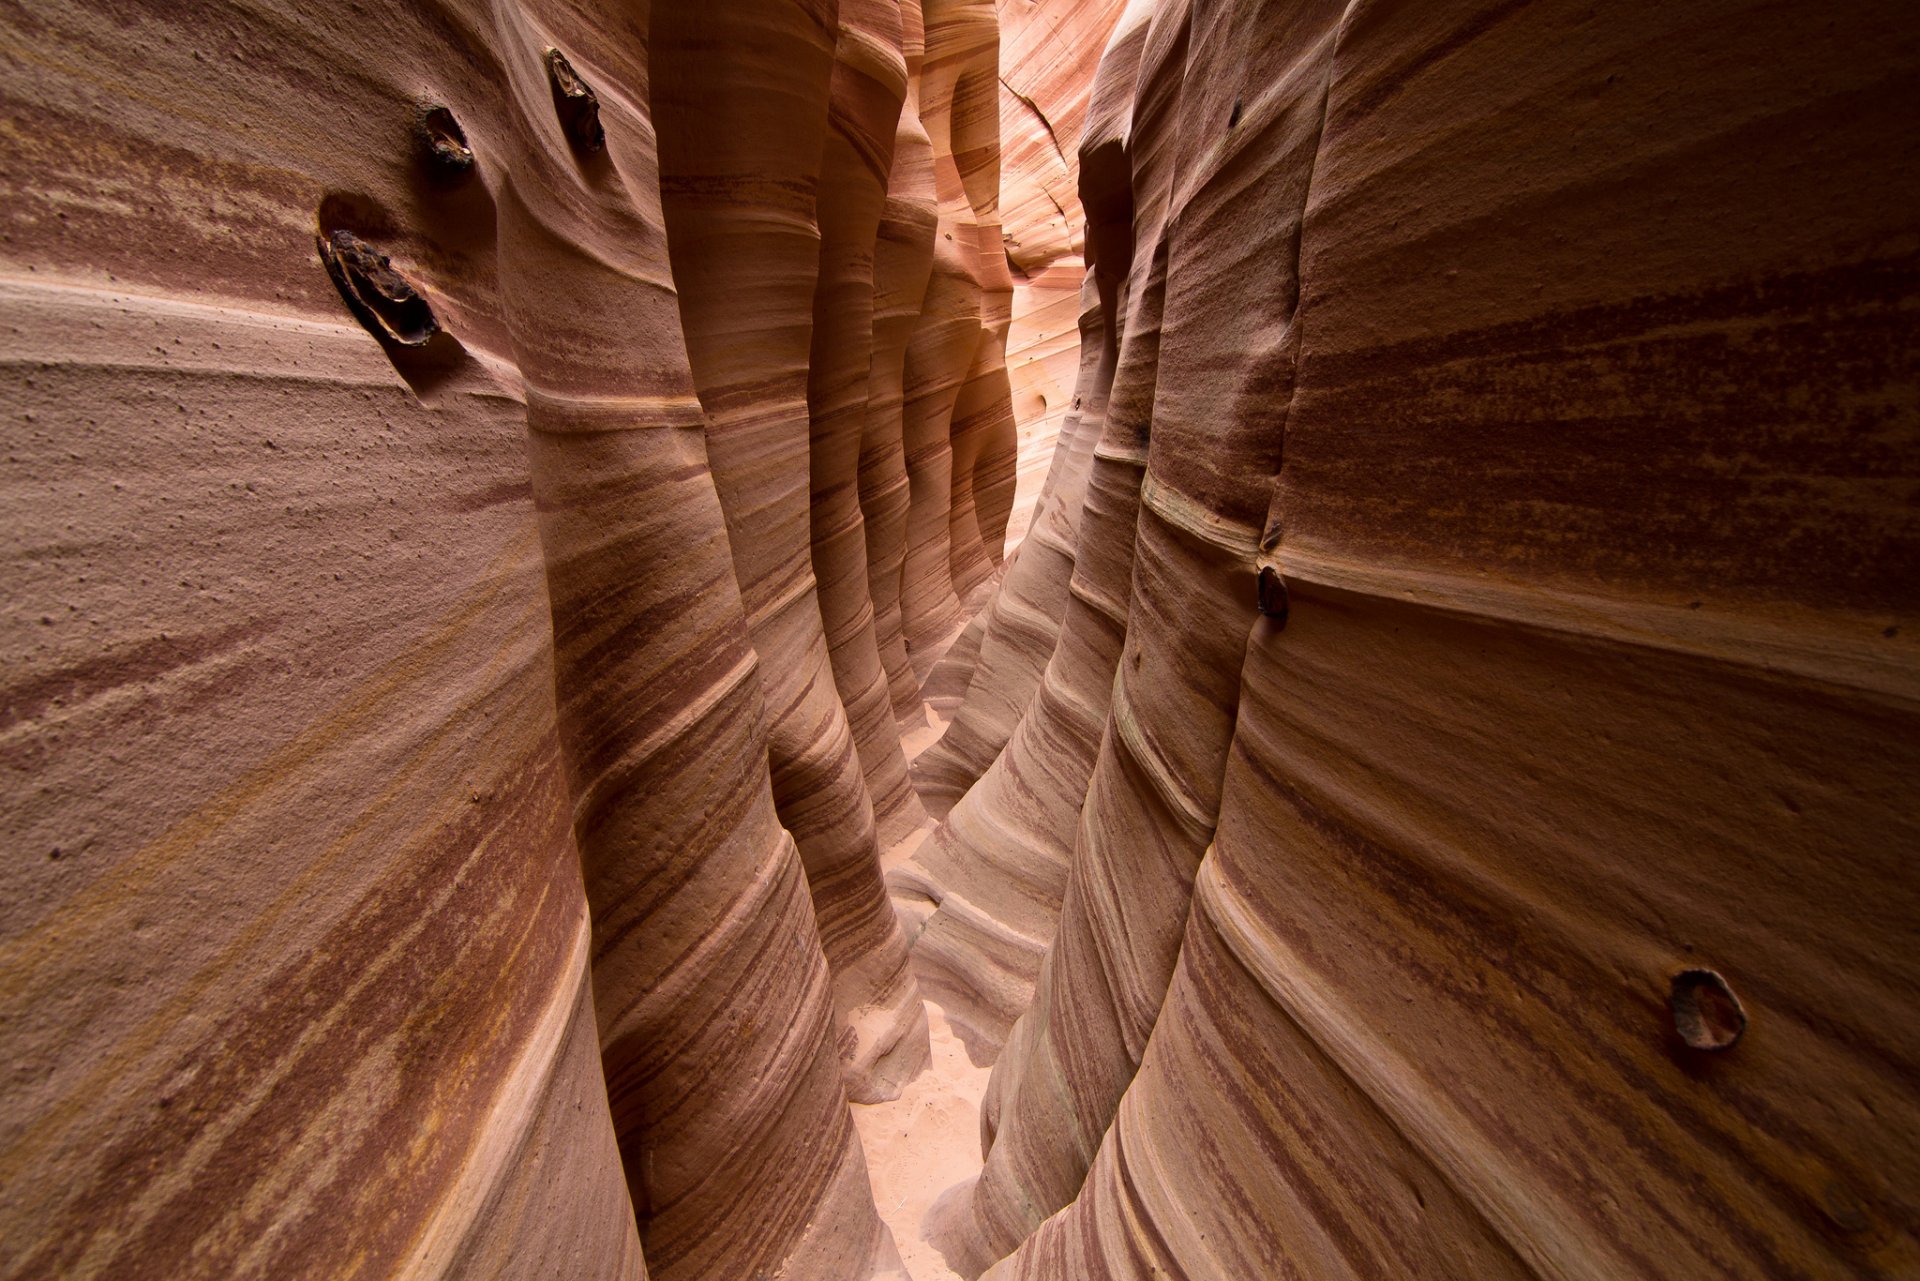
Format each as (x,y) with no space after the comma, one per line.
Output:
(489,483)
(1492,862)
(1048,54)
(441,806)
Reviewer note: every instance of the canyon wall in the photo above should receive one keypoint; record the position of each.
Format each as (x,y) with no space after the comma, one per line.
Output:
(1048,53)
(494,487)
(449,745)
(1492,862)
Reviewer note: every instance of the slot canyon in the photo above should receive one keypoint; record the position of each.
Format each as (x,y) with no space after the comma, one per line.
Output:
(1042,640)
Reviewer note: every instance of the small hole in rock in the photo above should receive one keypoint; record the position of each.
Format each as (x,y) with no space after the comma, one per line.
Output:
(1706,1013)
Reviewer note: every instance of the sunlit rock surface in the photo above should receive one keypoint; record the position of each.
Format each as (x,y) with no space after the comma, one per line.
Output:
(1048,53)
(1333,581)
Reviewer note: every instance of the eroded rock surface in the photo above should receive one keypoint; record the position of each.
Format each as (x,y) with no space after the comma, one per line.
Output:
(493,488)
(413,650)
(1575,467)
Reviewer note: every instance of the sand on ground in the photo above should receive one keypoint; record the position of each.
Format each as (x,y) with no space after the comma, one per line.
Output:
(924,1143)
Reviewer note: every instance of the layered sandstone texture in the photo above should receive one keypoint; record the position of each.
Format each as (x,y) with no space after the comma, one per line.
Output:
(1489,853)
(449,733)
(1421,772)
(1048,53)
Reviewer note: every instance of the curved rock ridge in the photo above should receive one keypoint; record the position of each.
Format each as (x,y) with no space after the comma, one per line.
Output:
(1016,632)
(902,270)
(495,489)
(958,427)
(704,929)
(741,96)
(1047,60)
(1048,56)
(993,875)
(1516,650)
(869,87)
(428,606)
(296,973)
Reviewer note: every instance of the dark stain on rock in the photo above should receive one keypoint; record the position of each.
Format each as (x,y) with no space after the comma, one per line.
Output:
(574,99)
(29,699)
(1706,1013)
(511,491)
(379,297)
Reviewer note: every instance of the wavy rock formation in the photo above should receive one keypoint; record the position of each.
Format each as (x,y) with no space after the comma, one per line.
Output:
(869,86)
(902,267)
(963,48)
(1473,860)
(493,489)
(957,415)
(990,880)
(1017,631)
(268,909)
(741,99)
(699,904)
(301,979)
(1048,56)
(299,976)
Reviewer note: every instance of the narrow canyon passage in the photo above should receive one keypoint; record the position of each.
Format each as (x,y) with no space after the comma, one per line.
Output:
(926,640)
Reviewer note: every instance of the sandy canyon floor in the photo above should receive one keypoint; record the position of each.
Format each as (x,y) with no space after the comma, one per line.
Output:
(924,1144)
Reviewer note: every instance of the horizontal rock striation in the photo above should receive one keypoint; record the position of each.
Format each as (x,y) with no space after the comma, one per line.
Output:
(1477,892)
(493,490)
(413,652)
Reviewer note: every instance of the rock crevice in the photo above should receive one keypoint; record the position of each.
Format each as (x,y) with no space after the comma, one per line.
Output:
(625,621)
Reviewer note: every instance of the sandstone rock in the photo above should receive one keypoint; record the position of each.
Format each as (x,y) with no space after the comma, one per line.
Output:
(869,84)
(300,977)
(741,100)
(995,872)
(495,491)
(1048,55)
(1487,793)
(902,265)
(956,396)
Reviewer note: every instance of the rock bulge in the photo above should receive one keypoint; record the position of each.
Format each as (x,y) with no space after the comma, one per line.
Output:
(1331,580)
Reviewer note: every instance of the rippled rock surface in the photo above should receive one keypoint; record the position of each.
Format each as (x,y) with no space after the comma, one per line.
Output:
(1333,581)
